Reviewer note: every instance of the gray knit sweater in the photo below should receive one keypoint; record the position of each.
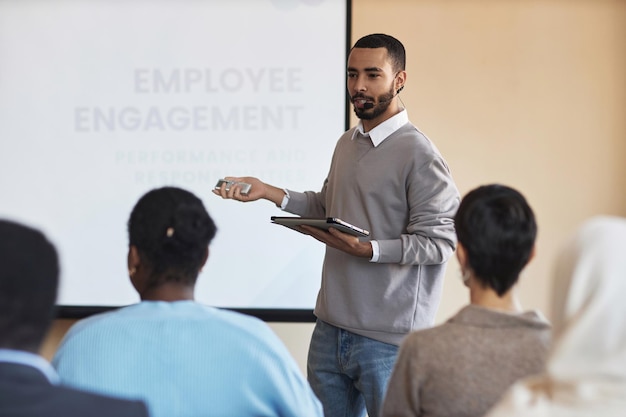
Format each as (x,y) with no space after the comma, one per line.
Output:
(403,193)
(461,368)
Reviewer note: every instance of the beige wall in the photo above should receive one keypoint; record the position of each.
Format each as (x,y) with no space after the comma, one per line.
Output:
(529,93)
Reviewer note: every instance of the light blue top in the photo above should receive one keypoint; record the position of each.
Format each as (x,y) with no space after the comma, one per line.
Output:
(185,359)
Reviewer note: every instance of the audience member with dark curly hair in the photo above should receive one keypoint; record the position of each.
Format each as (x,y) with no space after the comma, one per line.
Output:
(183,358)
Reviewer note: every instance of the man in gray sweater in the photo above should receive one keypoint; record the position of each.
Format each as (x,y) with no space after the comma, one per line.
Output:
(389,178)
(462,367)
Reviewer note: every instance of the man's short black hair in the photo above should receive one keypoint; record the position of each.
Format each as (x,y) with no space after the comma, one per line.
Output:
(29,277)
(394,47)
(497,227)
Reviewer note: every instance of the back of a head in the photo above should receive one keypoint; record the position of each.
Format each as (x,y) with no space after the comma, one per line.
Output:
(172,230)
(588,308)
(497,227)
(395,49)
(29,276)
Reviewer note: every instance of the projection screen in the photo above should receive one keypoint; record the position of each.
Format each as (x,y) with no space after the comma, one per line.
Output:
(101,101)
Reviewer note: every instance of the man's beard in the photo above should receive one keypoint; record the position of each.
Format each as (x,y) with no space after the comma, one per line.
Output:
(382,104)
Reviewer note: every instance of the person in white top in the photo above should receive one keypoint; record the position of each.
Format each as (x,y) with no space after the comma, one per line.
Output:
(586,370)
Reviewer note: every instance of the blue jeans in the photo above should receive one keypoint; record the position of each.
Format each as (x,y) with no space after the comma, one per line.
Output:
(348,372)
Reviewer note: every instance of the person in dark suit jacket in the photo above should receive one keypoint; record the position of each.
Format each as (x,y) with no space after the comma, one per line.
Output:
(29,275)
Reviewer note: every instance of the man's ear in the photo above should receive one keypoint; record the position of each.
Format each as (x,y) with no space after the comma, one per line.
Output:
(400,81)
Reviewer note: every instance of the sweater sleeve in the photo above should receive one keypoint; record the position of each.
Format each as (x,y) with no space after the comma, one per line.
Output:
(306,204)
(433,200)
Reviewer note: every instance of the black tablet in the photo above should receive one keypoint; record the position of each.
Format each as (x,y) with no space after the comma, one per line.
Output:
(324,223)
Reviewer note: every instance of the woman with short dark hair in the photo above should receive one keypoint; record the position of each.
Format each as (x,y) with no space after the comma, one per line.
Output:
(462,367)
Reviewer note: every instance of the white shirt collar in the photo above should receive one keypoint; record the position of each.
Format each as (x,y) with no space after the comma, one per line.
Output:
(21,357)
(385,129)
